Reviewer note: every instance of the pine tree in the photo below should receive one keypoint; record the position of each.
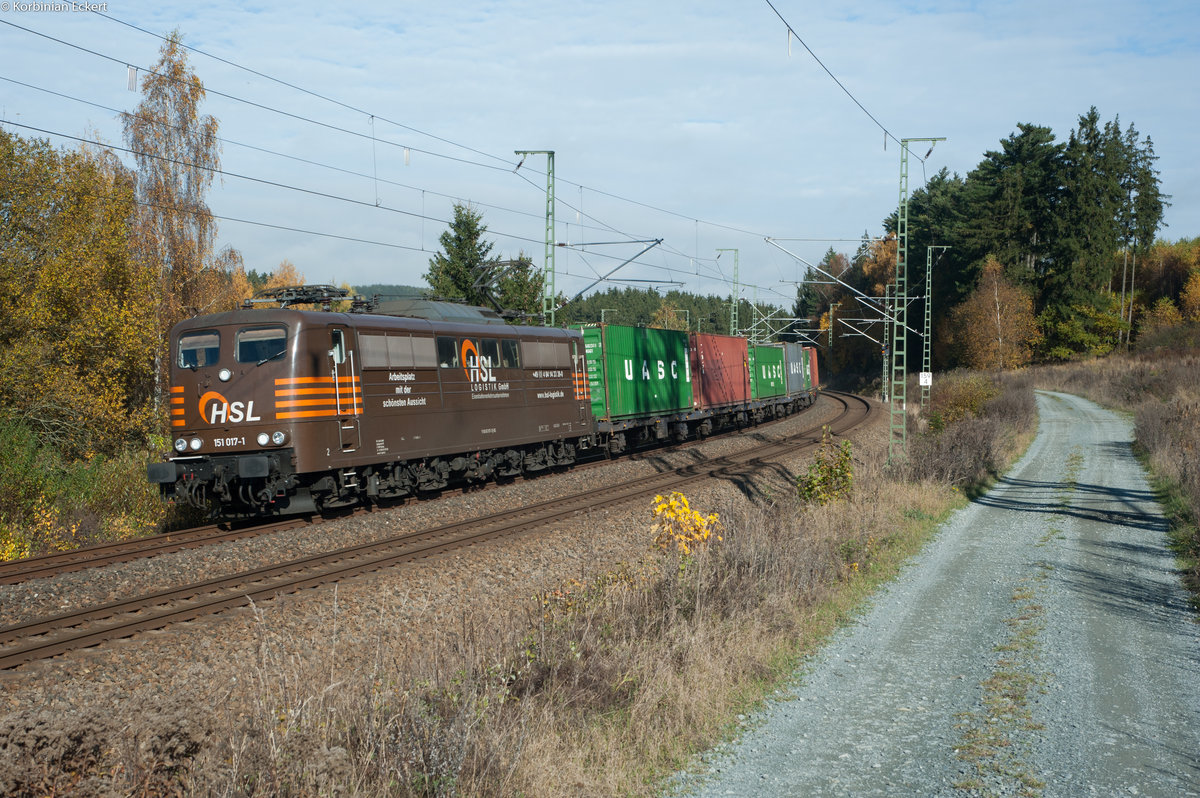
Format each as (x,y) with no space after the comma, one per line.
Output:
(452,271)
(521,287)
(1015,199)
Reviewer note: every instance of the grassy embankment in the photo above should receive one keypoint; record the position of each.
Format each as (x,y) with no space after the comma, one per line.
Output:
(607,687)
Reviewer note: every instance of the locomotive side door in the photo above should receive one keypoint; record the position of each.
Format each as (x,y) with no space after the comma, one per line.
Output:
(346,386)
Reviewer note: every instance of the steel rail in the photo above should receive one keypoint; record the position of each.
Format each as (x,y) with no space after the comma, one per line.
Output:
(101,554)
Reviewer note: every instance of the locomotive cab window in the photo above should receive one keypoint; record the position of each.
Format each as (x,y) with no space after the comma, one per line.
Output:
(199,349)
(338,350)
(260,344)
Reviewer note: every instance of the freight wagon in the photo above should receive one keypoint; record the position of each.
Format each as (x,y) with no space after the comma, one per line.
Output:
(640,381)
(799,367)
(767,379)
(721,380)
(651,384)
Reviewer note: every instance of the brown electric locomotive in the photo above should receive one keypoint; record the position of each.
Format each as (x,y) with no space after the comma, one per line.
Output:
(283,410)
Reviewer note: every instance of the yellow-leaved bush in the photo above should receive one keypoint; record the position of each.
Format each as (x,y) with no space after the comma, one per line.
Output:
(679,526)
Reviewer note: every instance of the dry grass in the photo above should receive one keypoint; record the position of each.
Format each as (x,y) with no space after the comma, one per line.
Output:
(606,691)
(610,686)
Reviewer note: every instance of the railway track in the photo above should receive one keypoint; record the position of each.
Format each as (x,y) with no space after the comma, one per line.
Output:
(102,554)
(48,637)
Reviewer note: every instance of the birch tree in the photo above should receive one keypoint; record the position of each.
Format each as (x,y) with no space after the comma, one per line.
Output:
(995,327)
(177,154)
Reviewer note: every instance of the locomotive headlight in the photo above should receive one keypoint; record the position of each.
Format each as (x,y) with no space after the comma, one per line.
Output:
(180,445)
(263,439)
(278,438)
(224,375)
(195,444)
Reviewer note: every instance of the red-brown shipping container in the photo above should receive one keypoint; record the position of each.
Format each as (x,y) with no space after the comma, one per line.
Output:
(720,373)
(812,362)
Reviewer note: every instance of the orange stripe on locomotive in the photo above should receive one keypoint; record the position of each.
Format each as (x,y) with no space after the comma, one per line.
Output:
(327,399)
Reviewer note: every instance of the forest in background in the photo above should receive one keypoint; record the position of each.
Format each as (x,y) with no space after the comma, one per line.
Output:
(1051,252)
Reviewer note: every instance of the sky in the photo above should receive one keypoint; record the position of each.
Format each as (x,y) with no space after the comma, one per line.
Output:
(350,130)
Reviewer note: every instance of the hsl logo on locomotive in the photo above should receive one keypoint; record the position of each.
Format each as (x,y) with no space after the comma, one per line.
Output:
(478,369)
(222,409)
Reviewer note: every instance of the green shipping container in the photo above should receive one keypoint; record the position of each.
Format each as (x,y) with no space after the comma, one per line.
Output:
(767,376)
(636,371)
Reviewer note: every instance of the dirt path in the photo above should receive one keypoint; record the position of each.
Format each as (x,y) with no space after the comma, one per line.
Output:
(1041,645)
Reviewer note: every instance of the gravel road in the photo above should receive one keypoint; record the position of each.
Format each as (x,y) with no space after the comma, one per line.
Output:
(1041,645)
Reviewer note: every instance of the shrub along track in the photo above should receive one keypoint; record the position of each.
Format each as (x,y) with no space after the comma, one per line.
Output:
(49,637)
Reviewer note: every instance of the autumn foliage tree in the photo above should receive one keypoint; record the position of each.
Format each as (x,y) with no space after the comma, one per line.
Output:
(878,265)
(995,327)
(1162,315)
(1190,298)
(177,153)
(669,317)
(78,332)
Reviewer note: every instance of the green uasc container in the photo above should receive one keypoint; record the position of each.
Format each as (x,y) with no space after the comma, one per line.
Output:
(767,375)
(636,371)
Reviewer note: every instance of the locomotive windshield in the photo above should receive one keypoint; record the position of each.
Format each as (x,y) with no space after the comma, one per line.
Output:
(260,344)
(199,349)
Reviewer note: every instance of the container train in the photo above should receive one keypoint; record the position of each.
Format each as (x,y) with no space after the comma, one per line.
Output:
(281,410)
